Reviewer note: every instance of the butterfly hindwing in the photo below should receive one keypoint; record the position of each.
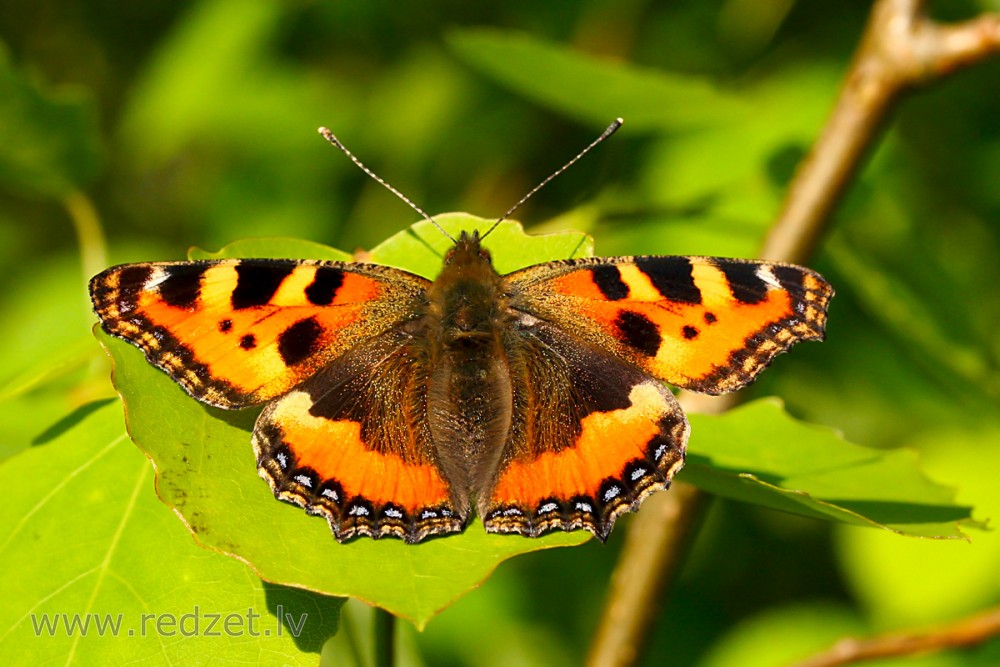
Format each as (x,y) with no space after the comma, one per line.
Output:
(701,323)
(236,333)
(352,443)
(591,437)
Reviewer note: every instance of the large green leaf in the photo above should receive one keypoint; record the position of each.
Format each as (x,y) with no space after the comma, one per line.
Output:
(889,577)
(421,248)
(596,90)
(84,542)
(757,453)
(722,147)
(206,471)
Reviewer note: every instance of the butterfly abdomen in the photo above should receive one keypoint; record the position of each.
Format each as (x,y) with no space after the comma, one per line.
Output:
(469,402)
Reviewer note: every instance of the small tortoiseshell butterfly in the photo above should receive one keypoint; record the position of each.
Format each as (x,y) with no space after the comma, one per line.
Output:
(395,405)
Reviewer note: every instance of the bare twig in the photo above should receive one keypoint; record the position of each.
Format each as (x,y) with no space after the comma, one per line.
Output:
(967,632)
(656,544)
(665,523)
(902,48)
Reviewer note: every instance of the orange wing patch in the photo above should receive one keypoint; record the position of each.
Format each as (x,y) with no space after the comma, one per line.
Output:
(351,443)
(235,333)
(325,466)
(700,323)
(335,449)
(619,458)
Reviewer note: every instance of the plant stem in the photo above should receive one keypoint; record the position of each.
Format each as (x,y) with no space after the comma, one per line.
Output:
(89,235)
(967,632)
(654,544)
(384,635)
(901,49)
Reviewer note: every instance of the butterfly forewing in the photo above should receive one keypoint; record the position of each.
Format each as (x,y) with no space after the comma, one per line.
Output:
(700,323)
(236,333)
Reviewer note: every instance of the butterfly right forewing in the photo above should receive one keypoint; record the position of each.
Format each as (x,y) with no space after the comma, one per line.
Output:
(239,332)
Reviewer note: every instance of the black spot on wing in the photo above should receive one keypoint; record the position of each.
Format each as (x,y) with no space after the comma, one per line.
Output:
(299,341)
(710,318)
(248,342)
(256,283)
(323,288)
(181,284)
(639,332)
(744,283)
(609,281)
(790,277)
(131,279)
(671,276)
(689,332)
(225,326)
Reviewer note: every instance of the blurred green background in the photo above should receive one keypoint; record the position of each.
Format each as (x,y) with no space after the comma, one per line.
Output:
(131,131)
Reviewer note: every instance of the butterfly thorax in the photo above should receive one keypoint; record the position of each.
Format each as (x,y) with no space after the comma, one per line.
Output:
(469,400)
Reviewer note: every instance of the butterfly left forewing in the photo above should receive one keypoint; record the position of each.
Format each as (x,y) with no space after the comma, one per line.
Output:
(701,323)
(236,333)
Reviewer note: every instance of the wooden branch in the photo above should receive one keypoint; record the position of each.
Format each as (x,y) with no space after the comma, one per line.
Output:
(901,49)
(655,547)
(967,632)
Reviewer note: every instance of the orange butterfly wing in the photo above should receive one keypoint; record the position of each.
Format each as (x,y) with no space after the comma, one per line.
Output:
(591,437)
(352,444)
(701,323)
(343,435)
(236,333)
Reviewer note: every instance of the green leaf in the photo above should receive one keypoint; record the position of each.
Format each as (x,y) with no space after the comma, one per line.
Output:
(206,471)
(51,144)
(421,248)
(890,577)
(594,90)
(757,453)
(741,167)
(83,537)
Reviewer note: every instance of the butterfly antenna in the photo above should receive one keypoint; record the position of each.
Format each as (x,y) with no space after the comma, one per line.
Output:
(604,135)
(332,138)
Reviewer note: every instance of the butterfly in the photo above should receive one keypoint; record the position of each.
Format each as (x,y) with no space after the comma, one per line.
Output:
(400,406)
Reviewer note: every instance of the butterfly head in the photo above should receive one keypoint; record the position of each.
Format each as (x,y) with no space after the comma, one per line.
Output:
(467,291)
(468,251)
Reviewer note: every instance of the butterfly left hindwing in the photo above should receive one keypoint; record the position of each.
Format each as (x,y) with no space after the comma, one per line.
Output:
(591,437)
